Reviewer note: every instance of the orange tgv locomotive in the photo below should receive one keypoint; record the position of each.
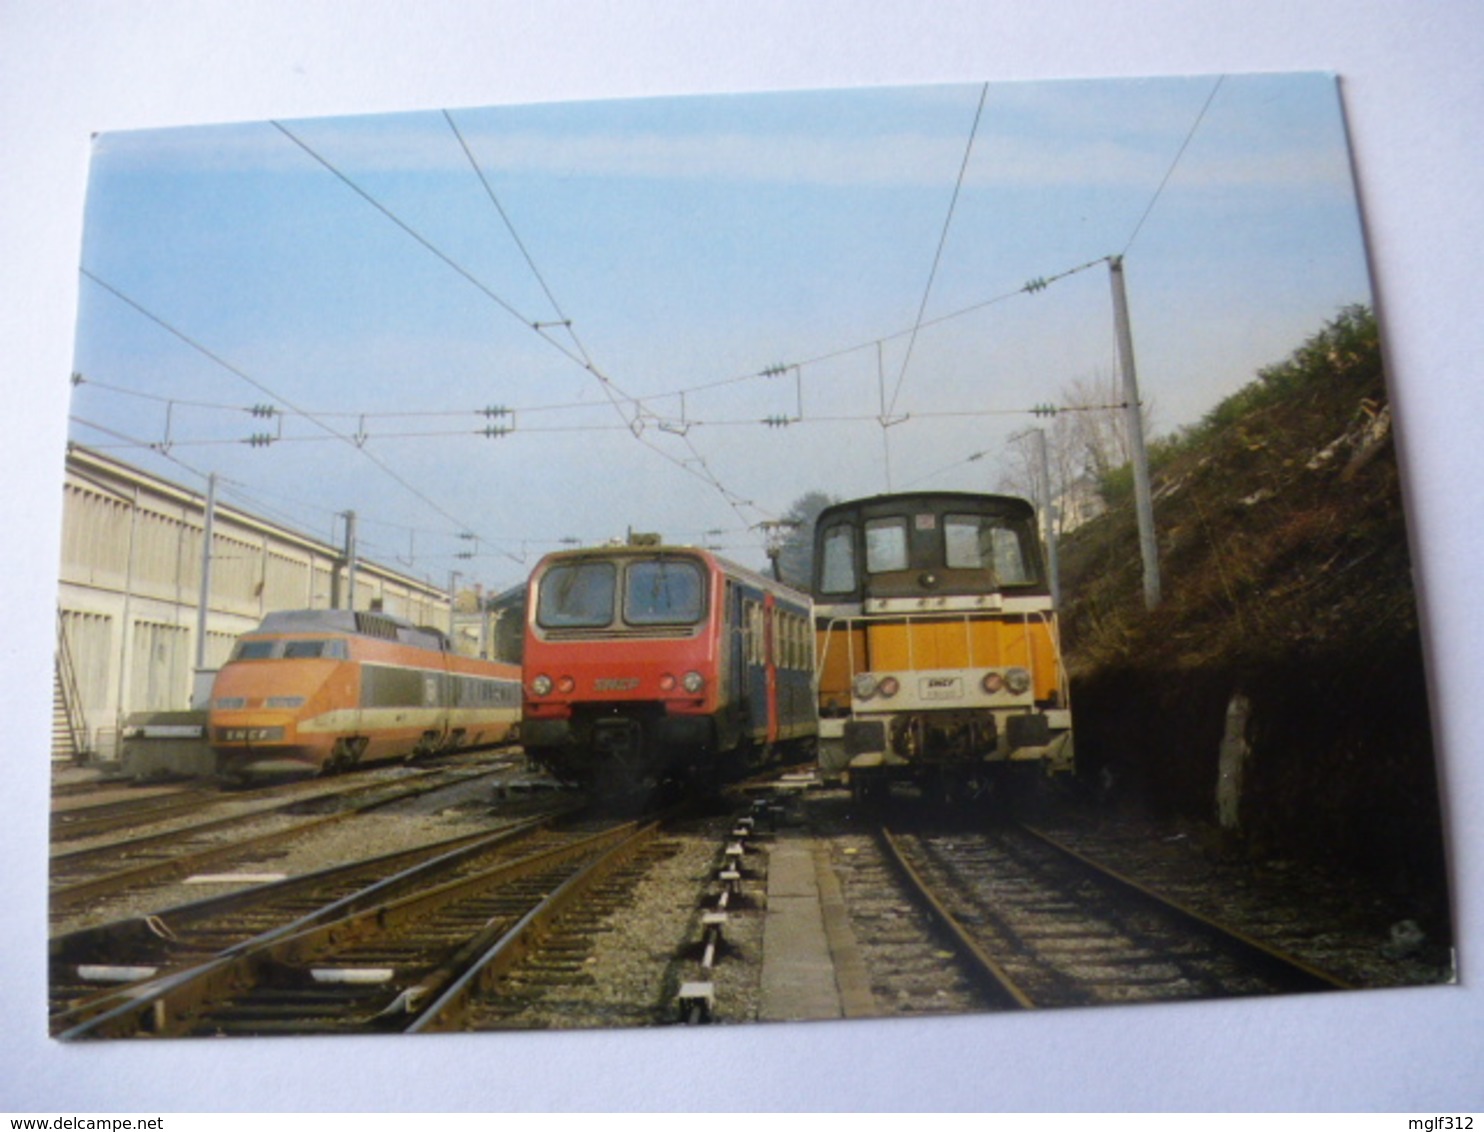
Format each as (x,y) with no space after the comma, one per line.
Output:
(318,690)
(648,664)
(939,656)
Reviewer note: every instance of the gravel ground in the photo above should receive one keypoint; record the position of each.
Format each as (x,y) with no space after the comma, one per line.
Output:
(629,967)
(464,808)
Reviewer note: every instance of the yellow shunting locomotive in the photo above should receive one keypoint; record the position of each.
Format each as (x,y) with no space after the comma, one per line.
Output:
(938,654)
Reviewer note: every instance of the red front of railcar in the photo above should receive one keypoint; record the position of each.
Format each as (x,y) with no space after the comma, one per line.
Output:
(625,664)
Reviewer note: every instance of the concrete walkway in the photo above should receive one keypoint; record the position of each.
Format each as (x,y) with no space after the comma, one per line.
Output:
(811,969)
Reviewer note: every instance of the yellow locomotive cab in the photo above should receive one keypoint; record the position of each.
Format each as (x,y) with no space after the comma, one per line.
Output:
(937,644)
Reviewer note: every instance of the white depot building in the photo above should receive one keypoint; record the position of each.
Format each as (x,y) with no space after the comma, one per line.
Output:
(130,592)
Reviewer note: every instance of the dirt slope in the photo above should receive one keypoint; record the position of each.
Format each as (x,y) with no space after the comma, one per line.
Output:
(1286,580)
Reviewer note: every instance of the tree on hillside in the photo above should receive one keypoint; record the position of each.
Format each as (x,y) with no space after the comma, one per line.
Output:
(1085,440)
(796,545)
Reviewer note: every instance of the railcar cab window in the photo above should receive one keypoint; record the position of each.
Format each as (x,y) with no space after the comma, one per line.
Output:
(577,596)
(662,591)
(655,591)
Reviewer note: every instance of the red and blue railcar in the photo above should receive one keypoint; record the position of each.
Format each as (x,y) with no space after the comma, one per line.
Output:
(652,664)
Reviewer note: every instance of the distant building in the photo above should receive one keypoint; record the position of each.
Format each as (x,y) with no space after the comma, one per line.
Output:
(129,589)
(1080,503)
(493,628)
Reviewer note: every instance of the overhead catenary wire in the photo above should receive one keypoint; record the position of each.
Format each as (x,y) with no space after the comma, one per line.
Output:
(1170,172)
(1038,284)
(638,415)
(256,384)
(696,465)
(519,243)
(938,254)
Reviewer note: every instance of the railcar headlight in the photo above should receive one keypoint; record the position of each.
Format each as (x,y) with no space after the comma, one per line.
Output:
(864,686)
(992,682)
(888,688)
(541,685)
(693,682)
(566,685)
(1018,681)
(667,683)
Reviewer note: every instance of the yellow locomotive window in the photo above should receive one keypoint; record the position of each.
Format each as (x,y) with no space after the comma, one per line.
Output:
(977,542)
(837,572)
(886,545)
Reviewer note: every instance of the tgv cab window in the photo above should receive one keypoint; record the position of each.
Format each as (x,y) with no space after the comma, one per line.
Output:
(254,650)
(976,542)
(663,591)
(578,596)
(279,649)
(299,650)
(837,571)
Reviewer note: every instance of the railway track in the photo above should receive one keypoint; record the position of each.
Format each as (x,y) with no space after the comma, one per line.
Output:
(91,819)
(78,818)
(95,968)
(1041,926)
(82,875)
(406,953)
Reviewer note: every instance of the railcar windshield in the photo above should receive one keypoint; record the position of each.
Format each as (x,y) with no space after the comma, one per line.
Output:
(664,591)
(577,595)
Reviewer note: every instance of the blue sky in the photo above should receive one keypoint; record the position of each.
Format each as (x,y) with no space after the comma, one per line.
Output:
(693,243)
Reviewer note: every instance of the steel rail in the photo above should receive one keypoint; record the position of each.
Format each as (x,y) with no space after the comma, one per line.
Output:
(170,930)
(1298,973)
(488,962)
(169,1004)
(1002,986)
(69,895)
(73,823)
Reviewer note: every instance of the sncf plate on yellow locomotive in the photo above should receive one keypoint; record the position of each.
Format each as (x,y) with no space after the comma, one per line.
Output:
(940,687)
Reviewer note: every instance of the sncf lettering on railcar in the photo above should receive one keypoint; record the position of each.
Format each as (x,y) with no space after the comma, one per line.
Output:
(616,684)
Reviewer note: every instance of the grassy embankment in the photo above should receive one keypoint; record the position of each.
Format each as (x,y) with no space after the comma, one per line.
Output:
(1287,579)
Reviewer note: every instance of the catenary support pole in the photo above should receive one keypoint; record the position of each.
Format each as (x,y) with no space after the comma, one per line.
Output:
(1138,456)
